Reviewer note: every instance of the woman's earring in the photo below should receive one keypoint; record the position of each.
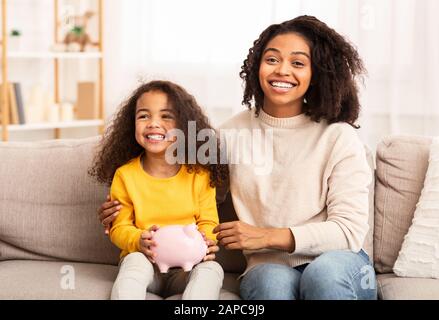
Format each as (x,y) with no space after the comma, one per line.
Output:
(305,101)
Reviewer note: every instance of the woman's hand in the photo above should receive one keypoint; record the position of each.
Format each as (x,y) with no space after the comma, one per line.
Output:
(107,212)
(240,235)
(243,236)
(146,242)
(211,248)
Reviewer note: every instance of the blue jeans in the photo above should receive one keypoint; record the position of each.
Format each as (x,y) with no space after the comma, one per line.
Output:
(333,275)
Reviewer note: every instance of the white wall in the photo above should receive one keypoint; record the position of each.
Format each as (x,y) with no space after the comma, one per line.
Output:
(201,44)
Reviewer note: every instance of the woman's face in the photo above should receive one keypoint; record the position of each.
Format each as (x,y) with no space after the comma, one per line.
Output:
(155,117)
(285,74)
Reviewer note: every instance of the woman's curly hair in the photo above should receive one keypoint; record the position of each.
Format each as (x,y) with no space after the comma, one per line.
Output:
(119,145)
(335,64)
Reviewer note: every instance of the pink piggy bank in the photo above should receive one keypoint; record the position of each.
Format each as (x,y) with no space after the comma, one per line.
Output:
(178,246)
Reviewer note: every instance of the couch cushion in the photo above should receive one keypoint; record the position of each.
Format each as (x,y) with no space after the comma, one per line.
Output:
(48,280)
(48,203)
(22,279)
(402,162)
(391,287)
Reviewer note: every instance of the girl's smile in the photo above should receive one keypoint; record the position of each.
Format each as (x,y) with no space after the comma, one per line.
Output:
(154,119)
(154,137)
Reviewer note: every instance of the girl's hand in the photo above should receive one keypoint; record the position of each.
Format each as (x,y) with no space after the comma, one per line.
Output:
(107,212)
(211,248)
(146,242)
(240,235)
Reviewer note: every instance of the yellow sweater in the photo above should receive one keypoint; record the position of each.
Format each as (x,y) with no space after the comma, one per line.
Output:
(146,200)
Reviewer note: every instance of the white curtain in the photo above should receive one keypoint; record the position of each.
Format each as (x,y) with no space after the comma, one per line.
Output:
(201,44)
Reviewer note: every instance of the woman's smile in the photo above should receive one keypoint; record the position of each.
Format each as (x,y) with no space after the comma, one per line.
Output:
(285,74)
(279,86)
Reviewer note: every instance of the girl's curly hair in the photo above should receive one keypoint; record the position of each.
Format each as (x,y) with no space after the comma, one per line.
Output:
(119,144)
(335,63)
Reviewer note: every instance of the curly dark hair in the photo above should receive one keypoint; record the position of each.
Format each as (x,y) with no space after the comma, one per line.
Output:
(119,145)
(335,64)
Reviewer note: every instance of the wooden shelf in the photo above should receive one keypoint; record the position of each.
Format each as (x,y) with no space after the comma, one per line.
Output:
(53,55)
(57,57)
(55,125)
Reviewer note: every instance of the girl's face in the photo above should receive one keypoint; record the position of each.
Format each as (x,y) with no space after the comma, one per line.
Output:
(155,117)
(285,74)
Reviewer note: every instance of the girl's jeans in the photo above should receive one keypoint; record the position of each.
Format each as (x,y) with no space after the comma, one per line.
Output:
(333,275)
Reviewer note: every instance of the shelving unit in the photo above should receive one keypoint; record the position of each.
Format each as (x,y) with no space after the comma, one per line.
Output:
(55,125)
(54,55)
(6,127)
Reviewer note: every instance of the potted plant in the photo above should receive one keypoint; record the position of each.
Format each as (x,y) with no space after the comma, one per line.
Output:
(15,40)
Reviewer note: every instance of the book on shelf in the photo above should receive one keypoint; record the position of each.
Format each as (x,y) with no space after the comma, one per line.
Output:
(13,111)
(15,103)
(20,103)
(10,116)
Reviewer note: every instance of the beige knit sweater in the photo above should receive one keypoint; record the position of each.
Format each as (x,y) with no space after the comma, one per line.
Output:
(294,172)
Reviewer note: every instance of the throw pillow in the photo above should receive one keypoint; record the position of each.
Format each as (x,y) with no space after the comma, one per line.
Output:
(419,255)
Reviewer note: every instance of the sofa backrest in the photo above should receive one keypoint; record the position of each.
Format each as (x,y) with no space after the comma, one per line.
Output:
(401,164)
(48,203)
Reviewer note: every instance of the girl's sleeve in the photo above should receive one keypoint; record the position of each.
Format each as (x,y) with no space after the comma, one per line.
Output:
(123,233)
(207,217)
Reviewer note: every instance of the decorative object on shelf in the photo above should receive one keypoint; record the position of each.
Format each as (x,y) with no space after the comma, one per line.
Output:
(67,112)
(34,113)
(53,113)
(15,40)
(77,39)
(87,103)
(38,103)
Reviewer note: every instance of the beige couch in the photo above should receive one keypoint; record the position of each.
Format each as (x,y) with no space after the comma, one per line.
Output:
(53,247)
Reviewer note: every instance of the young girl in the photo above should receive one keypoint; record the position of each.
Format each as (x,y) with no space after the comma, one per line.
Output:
(302,227)
(152,192)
